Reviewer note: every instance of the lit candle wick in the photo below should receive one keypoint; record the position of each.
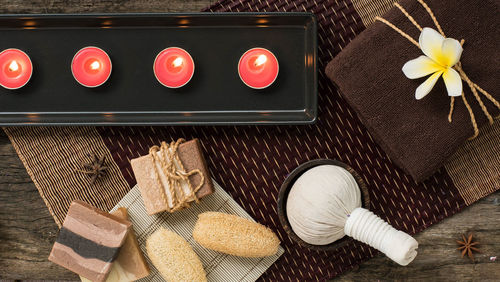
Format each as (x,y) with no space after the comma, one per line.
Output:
(177,62)
(260,60)
(14,66)
(95,65)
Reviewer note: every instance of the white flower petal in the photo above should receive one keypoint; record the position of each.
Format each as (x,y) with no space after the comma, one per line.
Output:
(453,82)
(451,51)
(426,87)
(420,67)
(431,42)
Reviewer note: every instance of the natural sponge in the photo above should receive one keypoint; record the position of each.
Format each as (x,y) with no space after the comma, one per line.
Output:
(231,234)
(174,257)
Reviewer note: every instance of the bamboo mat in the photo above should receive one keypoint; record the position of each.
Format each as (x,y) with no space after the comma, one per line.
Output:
(218,266)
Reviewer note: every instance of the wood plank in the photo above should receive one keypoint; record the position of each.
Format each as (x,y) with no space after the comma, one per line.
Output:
(27,230)
(438,259)
(100,6)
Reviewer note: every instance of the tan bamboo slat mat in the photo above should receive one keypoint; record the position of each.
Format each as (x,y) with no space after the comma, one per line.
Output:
(218,266)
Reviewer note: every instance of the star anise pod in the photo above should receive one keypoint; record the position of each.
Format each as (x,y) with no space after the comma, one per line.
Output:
(467,246)
(96,168)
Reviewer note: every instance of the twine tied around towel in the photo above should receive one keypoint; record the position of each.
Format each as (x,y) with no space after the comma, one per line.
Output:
(458,67)
(173,169)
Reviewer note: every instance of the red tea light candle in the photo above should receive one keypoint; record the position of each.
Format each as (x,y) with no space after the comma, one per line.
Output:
(258,68)
(16,68)
(173,67)
(91,67)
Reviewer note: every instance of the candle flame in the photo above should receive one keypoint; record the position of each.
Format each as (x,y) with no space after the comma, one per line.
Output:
(177,62)
(14,66)
(261,59)
(95,65)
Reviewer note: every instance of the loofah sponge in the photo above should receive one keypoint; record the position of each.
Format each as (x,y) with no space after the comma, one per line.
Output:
(174,257)
(231,234)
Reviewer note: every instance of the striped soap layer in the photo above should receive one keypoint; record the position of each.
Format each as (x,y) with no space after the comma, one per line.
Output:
(86,248)
(89,241)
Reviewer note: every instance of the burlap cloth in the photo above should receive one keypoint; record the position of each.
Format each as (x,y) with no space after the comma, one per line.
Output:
(251,162)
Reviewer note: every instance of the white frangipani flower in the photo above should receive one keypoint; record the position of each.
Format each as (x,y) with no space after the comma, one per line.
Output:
(441,54)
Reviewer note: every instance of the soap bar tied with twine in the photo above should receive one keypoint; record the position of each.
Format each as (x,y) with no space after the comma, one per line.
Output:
(457,67)
(171,165)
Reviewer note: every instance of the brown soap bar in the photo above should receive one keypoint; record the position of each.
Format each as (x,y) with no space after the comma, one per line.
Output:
(130,265)
(89,241)
(191,156)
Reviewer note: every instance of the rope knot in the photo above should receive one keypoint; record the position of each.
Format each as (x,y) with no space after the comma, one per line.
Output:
(166,161)
(458,67)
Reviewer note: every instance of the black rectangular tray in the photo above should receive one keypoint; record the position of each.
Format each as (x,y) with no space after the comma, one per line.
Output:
(133,96)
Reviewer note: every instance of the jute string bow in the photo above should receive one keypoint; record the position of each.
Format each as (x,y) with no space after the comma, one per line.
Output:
(458,67)
(173,169)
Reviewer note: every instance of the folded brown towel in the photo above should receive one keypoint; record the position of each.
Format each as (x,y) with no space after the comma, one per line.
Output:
(416,134)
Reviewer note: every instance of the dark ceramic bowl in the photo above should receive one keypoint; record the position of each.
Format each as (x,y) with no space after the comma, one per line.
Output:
(287,185)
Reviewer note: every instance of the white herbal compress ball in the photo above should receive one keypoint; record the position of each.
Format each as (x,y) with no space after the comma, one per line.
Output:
(319,202)
(324,205)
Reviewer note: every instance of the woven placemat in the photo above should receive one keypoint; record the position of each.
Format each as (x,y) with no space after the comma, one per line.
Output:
(218,266)
(251,162)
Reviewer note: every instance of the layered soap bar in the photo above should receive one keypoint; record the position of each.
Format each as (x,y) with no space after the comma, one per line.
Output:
(89,241)
(152,189)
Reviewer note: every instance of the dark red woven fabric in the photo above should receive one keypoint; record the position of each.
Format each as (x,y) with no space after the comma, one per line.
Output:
(251,162)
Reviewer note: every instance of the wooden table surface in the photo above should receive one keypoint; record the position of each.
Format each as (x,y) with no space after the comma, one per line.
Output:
(27,230)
